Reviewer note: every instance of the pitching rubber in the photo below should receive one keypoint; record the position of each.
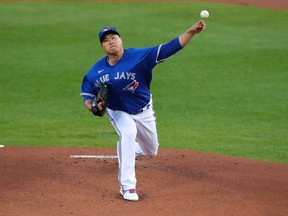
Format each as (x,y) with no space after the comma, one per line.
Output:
(95,156)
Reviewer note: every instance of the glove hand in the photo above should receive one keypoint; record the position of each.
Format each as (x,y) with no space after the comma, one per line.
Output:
(97,107)
(98,104)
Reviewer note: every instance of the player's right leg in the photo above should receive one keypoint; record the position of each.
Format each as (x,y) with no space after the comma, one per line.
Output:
(126,129)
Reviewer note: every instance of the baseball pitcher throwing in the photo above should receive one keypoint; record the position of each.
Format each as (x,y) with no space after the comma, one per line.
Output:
(125,75)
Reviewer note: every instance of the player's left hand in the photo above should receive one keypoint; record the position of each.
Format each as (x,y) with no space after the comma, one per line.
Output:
(198,27)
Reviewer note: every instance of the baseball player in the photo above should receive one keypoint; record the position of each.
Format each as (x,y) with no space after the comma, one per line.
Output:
(127,73)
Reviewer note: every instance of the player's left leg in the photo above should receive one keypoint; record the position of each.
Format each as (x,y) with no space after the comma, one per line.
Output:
(147,138)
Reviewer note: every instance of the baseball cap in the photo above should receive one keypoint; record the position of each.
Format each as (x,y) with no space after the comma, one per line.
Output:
(106,30)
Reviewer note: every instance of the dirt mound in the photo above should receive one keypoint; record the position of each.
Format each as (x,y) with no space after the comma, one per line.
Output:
(47,181)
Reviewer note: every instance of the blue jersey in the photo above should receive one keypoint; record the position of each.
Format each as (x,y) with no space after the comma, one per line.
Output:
(129,79)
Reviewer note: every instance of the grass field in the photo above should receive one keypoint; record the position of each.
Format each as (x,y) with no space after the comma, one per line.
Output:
(226,92)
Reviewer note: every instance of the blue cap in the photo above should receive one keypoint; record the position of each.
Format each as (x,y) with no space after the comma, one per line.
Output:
(106,30)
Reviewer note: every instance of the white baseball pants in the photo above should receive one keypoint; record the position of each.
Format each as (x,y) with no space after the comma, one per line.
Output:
(138,138)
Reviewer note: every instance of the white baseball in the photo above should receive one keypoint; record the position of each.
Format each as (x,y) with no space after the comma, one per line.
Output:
(204,14)
(1,146)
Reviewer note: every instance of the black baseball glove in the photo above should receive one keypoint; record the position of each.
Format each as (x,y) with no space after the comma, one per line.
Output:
(99,102)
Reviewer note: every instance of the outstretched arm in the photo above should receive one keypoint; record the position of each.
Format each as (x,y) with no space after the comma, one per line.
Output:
(188,35)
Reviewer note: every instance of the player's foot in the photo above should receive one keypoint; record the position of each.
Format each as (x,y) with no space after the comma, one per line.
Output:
(130,195)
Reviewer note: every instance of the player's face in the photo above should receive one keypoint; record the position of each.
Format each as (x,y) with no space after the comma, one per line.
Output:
(112,44)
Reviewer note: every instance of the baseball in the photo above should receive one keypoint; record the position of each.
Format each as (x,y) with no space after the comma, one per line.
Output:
(204,14)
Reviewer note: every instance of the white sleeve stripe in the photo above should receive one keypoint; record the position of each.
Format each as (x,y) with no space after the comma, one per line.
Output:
(87,94)
(158,52)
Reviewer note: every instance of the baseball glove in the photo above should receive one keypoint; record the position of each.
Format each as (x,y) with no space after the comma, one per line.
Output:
(99,102)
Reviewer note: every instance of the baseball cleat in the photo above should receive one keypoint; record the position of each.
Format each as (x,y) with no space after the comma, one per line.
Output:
(130,195)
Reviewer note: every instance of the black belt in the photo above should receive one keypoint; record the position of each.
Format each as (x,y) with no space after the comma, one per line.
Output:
(141,110)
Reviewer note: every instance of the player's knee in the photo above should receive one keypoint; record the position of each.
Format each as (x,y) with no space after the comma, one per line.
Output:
(129,134)
(153,152)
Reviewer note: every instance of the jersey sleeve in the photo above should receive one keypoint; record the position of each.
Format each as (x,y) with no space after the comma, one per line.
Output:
(88,90)
(168,49)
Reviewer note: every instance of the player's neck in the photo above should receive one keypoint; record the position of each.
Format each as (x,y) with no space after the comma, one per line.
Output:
(113,59)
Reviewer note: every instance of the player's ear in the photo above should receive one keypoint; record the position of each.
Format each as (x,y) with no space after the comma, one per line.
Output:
(101,45)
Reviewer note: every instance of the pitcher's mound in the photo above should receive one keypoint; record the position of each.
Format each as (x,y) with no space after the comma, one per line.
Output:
(47,181)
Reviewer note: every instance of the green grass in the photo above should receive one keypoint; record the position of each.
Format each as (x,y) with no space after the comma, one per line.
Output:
(226,92)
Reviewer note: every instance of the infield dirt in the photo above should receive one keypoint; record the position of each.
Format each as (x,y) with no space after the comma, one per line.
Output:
(46,181)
